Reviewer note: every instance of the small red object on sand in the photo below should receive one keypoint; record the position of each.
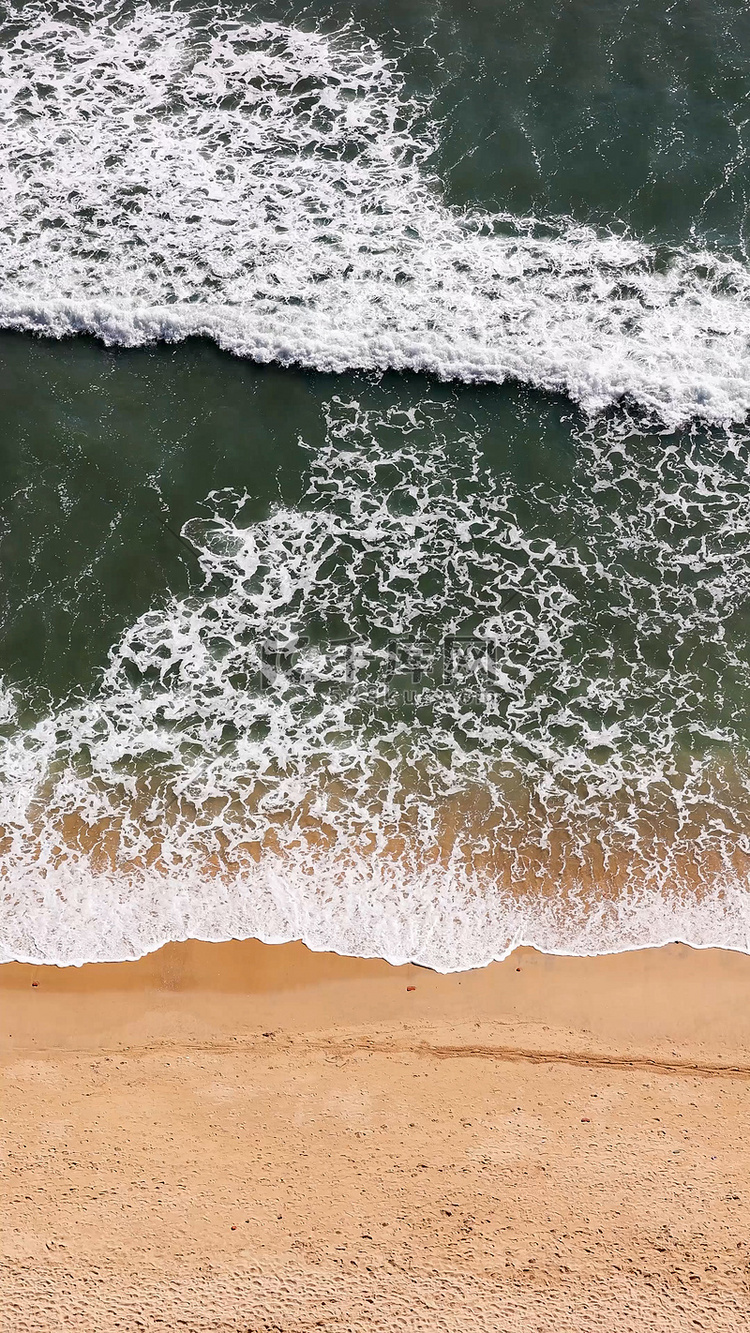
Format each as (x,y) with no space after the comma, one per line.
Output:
(411,988)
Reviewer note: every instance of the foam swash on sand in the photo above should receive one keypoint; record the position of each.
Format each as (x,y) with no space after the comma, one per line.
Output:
(392,721)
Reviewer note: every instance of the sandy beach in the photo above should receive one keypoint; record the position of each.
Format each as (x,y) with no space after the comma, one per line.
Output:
(374,572)
(244,1137)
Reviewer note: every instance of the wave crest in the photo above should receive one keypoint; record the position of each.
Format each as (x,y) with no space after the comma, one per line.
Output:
(167,174)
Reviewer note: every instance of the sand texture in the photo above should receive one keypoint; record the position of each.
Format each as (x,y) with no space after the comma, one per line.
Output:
(239,1138)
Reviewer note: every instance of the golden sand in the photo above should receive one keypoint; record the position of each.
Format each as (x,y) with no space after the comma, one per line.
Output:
(242,1137)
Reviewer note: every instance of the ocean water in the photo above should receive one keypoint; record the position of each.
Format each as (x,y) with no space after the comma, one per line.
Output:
(374,497)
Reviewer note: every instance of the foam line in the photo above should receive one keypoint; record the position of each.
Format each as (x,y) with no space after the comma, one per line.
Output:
(169,173)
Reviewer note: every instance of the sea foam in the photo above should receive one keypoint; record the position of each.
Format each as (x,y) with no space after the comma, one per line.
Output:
(399,720)
(166,173)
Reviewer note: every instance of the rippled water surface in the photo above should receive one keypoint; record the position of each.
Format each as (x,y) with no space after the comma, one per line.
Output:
(375,558)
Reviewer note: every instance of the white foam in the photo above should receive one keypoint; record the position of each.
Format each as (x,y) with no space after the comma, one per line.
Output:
(166,173)
(582,791)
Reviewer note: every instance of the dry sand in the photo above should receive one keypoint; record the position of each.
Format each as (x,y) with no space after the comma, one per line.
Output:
(239,1137)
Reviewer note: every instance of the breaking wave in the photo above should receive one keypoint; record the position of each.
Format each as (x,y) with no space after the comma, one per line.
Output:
(167,172)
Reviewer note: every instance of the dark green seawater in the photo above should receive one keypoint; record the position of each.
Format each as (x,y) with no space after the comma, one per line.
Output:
(374,505)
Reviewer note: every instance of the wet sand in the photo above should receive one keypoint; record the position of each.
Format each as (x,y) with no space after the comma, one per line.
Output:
(244,1137)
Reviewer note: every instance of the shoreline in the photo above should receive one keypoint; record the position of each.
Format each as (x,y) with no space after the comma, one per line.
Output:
(650,1001)
(689,990)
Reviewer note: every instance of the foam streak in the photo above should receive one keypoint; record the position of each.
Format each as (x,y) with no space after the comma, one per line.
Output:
(163,177)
